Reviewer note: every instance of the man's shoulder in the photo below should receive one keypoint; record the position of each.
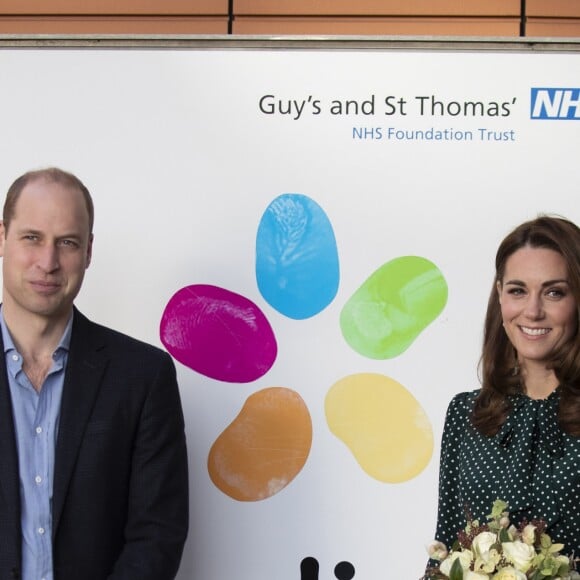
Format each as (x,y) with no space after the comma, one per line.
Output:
(105,337)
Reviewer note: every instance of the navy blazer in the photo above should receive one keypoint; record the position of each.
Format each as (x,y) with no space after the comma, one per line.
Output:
(120,494)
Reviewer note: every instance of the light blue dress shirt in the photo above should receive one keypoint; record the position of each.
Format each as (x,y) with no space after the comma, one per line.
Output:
(36,416)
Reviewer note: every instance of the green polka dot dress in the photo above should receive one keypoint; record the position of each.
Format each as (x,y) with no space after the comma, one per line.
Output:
(531,464)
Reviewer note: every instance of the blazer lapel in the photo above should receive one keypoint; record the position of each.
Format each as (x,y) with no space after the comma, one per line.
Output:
(9,477)
(85,367)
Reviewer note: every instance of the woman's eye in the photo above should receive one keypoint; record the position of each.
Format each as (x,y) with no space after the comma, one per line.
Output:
(556,293)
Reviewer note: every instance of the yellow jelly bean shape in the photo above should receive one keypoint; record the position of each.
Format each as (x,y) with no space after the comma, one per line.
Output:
(382,424)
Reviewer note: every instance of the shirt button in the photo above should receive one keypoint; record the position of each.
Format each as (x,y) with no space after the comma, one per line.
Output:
(14,357)
(38,479)
(38,430)
(41,531)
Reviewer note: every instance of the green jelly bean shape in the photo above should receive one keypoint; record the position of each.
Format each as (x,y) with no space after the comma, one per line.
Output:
(393,306)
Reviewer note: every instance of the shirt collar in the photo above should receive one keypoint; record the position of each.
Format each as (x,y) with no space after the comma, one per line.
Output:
(63,344)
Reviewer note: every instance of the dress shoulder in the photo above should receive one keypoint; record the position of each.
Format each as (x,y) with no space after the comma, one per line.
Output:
(462,404)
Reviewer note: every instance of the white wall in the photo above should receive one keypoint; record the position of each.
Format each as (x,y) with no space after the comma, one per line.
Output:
(182,164)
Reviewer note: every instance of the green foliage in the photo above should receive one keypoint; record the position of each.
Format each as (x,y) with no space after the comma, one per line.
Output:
(456,572)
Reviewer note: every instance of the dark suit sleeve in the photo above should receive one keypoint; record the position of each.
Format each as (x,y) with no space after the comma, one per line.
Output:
(157,518)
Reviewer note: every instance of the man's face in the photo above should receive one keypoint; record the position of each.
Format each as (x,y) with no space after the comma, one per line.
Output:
(45,251)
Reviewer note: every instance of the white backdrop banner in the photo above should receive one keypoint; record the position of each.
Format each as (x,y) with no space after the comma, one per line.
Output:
(311,234)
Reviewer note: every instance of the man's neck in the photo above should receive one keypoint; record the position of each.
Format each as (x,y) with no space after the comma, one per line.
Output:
(34,336)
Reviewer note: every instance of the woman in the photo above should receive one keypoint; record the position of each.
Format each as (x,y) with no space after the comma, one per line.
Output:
(518,437)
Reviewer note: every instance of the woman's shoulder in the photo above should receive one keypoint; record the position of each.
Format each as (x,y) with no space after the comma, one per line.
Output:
(461,404)
(465,399)
(457,419)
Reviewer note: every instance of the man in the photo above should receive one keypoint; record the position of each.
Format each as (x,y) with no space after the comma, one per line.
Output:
(93,464)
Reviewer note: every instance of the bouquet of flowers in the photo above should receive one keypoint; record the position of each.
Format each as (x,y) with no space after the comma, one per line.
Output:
(497,550)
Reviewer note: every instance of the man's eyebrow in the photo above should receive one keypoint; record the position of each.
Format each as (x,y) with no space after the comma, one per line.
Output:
(71,235)
(27,230)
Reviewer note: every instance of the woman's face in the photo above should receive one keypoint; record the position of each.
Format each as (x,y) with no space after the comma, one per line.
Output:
(538,309)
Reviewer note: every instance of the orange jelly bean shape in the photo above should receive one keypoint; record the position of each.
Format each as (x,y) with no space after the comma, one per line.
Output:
(265,446)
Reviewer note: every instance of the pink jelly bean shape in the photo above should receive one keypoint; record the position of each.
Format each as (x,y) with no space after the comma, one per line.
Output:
(218,333)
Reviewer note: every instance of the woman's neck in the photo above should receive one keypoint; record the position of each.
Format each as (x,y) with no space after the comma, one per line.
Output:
(539,381)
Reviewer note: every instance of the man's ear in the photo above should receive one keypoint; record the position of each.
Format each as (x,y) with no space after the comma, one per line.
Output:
(89,250)
(2,237)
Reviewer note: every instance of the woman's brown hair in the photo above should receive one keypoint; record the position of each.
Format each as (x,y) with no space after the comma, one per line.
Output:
(500,375)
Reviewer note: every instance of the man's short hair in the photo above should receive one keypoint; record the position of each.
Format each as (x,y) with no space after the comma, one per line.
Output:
(51,175)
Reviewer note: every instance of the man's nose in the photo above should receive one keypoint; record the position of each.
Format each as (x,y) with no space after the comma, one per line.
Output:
(47,258)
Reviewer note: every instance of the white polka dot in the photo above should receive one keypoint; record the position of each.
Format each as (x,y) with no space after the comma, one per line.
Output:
(535,468)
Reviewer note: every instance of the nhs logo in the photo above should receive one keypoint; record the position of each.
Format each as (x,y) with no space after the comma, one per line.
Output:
(563,104)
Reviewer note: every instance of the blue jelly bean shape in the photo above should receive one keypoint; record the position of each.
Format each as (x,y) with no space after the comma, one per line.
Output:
(297,268)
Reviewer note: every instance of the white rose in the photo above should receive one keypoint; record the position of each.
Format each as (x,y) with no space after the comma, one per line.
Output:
(509,574)
(529,534)
(519,554)
(482,543)
(464,557)
(488,562)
